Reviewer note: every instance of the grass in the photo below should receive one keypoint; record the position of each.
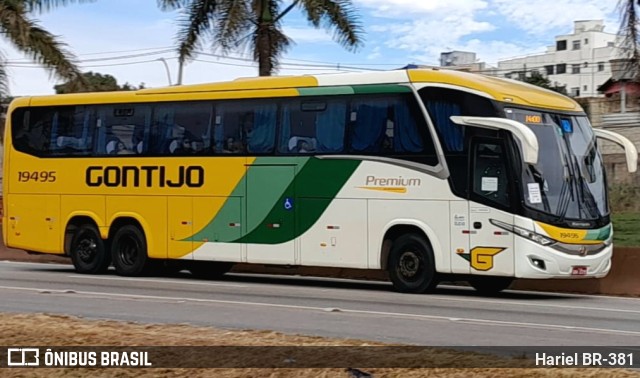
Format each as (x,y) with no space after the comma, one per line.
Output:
(62,330)
(626,229)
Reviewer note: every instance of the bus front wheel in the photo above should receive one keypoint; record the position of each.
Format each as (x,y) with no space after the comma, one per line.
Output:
(411,265)
(88,251)
(490,285)
(129,251)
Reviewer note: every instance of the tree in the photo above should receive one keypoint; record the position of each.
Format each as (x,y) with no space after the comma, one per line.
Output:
(27,36)
(256,25)
(536,78)
(630,34)
(94,82)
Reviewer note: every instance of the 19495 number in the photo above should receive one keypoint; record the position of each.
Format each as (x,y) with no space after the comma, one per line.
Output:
(37,176)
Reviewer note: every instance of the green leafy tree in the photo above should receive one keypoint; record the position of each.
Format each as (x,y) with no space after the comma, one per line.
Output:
(256,26)
(94,82)
(23,32)
(536,78)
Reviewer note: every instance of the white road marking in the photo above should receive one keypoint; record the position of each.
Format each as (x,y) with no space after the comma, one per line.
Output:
(169,281)
(533,304)
(489,322)
(427,298)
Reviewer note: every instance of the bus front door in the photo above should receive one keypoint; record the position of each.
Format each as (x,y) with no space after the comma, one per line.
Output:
(491,248)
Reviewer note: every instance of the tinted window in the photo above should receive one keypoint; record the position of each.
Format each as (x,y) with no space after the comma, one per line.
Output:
(72,131)
(245,127)
(32,130)
(181,128)
(390,125)
(442,103)
(122,129)
(313,126)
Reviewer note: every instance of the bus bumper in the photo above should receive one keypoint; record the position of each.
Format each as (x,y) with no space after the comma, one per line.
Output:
(536,261)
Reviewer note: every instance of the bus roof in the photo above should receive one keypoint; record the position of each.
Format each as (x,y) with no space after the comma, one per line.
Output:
(503,90)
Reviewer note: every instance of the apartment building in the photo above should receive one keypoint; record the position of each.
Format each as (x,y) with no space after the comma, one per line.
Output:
(579,61)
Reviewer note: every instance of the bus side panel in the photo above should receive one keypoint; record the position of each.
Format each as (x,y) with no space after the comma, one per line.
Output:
(432,217)
(34,223)
(180,226)
(216,244)
(339,237)
(150,212)
(79,205)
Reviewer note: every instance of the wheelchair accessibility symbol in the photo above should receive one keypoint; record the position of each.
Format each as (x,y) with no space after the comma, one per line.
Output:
(288,204)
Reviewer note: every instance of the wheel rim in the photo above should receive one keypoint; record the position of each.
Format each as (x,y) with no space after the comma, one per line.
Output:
(409,266)
(87,249)
(128,250)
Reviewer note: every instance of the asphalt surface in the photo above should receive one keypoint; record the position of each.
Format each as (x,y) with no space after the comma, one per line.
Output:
(453,316)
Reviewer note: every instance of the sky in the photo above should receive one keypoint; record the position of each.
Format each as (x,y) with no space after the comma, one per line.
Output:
(129,38)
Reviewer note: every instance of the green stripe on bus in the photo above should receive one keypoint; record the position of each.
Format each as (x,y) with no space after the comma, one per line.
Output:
(270,190)
(382,88)
(318,182)
(599,234)
(325,91)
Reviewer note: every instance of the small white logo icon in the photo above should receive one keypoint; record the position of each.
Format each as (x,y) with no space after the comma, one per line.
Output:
(23,357)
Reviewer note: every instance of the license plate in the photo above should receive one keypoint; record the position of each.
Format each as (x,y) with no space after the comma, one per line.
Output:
(579,271)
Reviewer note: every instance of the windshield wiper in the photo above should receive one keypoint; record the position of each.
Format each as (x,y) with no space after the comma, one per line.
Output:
(567,190)
(586,197)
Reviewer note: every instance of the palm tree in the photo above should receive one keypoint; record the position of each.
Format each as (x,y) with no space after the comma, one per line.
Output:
(256,25)
(27,36)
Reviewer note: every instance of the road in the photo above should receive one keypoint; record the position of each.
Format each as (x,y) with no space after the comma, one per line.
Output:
(453,316)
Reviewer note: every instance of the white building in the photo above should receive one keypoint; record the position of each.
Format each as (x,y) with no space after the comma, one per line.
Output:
(579,61)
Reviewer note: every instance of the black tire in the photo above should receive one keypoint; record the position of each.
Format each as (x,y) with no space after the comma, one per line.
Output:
(209,270)
(129,251)
(411,265)
(489,285)
(88,251)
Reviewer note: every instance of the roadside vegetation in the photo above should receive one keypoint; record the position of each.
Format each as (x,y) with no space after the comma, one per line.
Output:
(56,330)
(625,208)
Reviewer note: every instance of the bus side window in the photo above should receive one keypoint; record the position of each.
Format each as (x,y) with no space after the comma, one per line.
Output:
(31,130)
(121,128)
(72,131)
(245,126)
(367,132)
(229,118)
(312,126)
(193,120)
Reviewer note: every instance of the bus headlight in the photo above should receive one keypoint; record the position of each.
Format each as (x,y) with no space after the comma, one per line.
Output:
(540,239)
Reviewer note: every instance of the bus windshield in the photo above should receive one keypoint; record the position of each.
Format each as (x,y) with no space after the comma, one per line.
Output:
(568,181)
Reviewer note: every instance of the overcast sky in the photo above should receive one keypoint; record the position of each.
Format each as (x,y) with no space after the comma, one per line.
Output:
(398,32)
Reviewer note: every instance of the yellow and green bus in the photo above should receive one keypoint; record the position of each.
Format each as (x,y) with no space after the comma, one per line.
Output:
(428,174)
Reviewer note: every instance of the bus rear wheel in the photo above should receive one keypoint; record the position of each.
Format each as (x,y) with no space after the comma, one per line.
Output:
(490,285)
(88,251)
(209,270)
(129,251)
(411,265)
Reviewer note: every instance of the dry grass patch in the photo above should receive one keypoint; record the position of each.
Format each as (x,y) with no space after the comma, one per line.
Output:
(56,330)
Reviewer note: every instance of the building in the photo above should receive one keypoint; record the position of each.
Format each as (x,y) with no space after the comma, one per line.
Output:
(579,61)
(464,61)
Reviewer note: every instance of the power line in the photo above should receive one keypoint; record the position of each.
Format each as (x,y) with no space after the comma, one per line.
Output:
(101,59)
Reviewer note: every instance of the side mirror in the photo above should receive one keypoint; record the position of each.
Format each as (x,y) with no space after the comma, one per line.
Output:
(527,138)
(630,151)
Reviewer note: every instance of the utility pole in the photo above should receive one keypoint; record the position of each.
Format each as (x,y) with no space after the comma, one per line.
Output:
(166,67)
(180,69)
